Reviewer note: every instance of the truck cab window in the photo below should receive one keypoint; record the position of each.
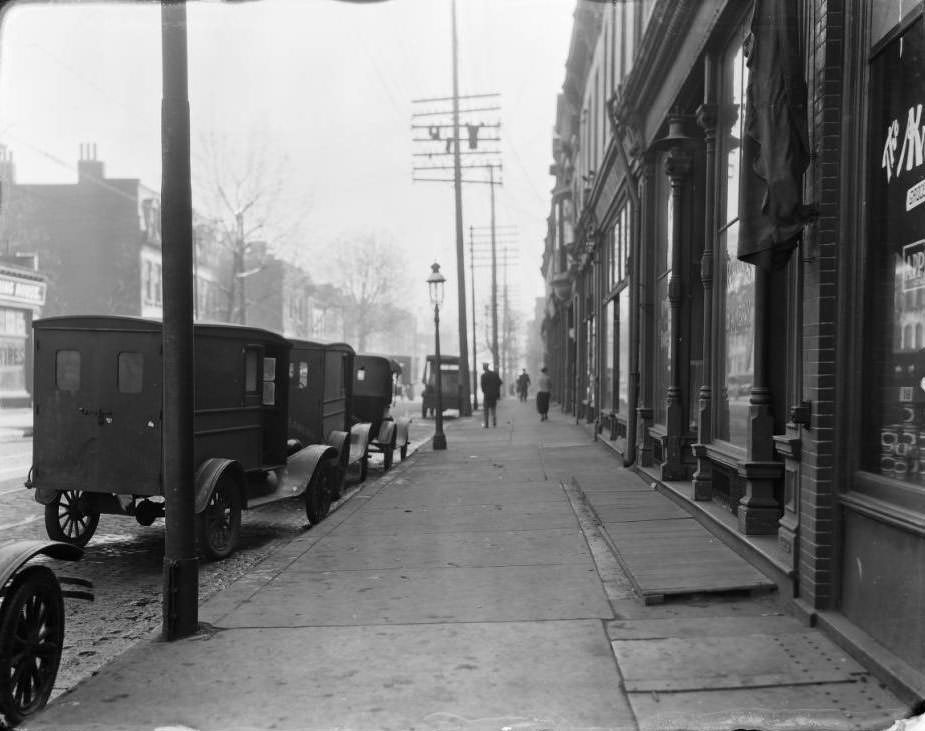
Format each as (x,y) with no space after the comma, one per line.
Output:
(131,372)
(67,370)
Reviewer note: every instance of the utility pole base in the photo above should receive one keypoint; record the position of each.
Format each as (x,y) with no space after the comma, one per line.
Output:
(181,598)
(439,441)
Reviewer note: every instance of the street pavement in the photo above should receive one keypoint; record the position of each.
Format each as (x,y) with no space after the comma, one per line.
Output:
(477,588)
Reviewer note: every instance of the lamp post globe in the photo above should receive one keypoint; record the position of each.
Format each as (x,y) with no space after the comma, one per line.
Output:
(435,287)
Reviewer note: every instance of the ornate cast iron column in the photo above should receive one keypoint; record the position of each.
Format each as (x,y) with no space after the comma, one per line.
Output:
(678,163)
(706,118)
(645,308)
(758,510)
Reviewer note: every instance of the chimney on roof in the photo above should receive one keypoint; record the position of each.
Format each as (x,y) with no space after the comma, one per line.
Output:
(88,167)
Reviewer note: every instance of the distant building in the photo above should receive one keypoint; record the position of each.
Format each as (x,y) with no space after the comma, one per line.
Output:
(98,240)
(22,294)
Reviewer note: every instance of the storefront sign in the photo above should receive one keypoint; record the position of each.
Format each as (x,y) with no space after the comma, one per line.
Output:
(26,291)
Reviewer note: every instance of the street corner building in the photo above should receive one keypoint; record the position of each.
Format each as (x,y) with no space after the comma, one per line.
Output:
(735,269)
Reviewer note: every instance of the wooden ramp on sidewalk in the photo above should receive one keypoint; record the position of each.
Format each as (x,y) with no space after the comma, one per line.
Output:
(665,551)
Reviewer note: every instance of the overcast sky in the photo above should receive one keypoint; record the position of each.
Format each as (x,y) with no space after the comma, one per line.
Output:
(328,86)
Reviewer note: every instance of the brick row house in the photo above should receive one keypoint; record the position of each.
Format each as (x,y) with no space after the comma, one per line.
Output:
(756,348)
(94,247)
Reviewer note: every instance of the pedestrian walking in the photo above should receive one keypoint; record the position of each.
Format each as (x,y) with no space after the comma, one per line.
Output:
(543,387)
(491,392)
(523,384)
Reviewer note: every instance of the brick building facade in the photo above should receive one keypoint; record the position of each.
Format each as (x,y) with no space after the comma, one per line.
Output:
(764,366)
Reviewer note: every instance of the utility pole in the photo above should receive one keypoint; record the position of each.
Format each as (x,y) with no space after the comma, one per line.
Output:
(481,258)
(180,613)
(494,274)
(448,133)
(475,339)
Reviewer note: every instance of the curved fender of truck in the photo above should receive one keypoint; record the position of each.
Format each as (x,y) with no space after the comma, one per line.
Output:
(300,468)
(402,427)
(386,433)
(44,495)
(208,475)
(340,440)
(359,441)
(15,555)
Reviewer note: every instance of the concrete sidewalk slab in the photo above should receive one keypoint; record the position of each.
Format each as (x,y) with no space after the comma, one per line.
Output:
(474,676)
(826,707)
(410,495)
(518,548)
(404,596)
(496,517)
(738,661)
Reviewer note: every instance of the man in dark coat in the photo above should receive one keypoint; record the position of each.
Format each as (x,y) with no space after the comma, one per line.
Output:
(491,392)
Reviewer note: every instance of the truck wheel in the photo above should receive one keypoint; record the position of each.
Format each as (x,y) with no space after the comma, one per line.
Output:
(320,492)
(70,519)
(31,638)
(219,525)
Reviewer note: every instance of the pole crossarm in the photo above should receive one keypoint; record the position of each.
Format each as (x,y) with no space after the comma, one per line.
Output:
(450,98)
(415,115)
(496,125)
(447,167)
(443,140)
(462,152)
(449,180)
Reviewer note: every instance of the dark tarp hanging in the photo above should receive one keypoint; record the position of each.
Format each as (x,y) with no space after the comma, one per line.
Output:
(774,149)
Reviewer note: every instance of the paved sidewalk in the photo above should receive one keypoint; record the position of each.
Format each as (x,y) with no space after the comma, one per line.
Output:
(15,424)
(477,588)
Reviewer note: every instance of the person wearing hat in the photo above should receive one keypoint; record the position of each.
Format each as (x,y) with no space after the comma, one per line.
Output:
(491,392)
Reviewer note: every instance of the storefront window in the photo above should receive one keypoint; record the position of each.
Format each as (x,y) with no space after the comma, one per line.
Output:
(894,357)
(623,364)
(607,377)
(662,372)
(736,302)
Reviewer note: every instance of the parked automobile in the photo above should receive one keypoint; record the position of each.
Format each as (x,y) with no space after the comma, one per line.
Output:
(451,388)
(320,404)
(373,395)
(98,428)
(32,624)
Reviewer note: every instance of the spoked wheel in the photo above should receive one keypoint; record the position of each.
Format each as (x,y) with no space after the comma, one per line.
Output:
(320,493)
(70,518)
(31,638)
(219,525)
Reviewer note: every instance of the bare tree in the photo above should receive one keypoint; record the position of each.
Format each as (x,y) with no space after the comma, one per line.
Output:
(371,272)
(238,190)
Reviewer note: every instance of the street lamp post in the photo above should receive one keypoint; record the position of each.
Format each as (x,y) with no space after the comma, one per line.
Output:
(435,282)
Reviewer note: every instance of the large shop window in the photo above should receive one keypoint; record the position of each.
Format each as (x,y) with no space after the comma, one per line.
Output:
(13,338)
(737,298)
(623,337)
(662,371)
(607,343)
(894,347)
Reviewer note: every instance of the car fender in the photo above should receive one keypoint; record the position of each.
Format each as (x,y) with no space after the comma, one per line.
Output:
(16,554)
(340,440)
(44,495)
(301,467)
(402,429)
(359,441)
(208,475)
(386,433)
